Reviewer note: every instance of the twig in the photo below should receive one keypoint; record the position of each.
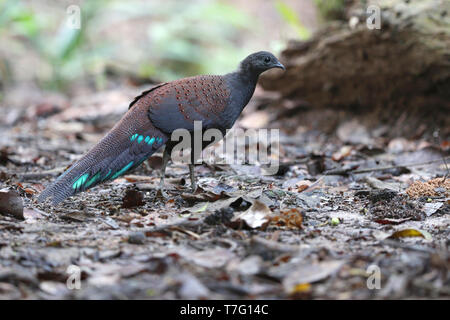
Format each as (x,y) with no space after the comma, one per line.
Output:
(182,224)
(397,244)
(273,245)
(365,170)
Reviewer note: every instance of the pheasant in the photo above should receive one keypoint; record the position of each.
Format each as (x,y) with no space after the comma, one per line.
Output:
(215,100)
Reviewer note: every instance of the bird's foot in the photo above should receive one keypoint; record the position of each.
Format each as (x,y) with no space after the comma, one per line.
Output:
(192,176)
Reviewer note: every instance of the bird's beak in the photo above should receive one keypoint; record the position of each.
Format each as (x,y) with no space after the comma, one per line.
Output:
(279,65)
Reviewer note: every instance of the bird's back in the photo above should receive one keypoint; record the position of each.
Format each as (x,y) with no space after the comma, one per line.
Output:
(179,103)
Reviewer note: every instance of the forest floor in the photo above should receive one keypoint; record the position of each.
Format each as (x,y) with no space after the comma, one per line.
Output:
(318,229)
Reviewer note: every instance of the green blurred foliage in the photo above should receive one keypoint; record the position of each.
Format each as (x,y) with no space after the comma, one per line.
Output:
(164,41)
(196,40)
(290,16)
(331,9)
(66,50)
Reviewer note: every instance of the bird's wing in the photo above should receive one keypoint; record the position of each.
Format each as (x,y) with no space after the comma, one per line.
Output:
(136,99)
(179,103)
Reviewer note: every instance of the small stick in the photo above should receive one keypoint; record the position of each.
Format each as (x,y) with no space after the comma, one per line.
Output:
(274,245)
(181,224)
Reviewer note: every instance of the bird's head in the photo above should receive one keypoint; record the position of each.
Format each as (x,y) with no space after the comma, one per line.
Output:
(259,62)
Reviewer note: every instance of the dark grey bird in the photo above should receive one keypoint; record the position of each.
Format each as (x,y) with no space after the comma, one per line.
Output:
(215,100)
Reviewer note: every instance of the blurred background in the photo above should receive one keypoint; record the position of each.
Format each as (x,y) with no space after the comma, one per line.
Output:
(56,55)
(140,40)
(363,112)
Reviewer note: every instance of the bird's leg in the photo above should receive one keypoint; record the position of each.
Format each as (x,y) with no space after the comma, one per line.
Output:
(192,175)
(195,155)
(165,159)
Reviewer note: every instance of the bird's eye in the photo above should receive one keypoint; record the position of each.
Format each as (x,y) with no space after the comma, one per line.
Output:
(267,59)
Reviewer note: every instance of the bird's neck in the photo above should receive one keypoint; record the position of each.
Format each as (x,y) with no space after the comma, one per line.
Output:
(246,75)
(244,82)
(242,86)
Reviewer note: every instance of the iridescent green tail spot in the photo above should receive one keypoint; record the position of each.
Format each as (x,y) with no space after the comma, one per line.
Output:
(93,180)
(122,171)
(133,137)
(80,181)
(107,175)
(148,140)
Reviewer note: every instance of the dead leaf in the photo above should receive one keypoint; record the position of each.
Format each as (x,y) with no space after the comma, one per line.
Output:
(11,203)
(155,162)
(212,258)
(191,287)
(74,216)
(353,132)
(343,152)
(302,185)
(245,198)
(407,233)
(381,185)
(201,195)
(400,145)
(249,266)
(256,216)
(309,273)
(430,208)
(216,187)
(132,198)
(291,218)
(31,215)
(301,288)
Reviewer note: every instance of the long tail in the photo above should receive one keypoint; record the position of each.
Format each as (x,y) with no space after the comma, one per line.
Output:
(132,140)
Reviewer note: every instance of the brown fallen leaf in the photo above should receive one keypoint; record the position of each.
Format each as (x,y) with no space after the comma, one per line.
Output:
(132,198)
(11,203)
(291,218)
(207,258)
(343,152)
(31,215)
(248,266)
(431,208)
(201,195)
(381,185)
(190,287)
(310,273)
